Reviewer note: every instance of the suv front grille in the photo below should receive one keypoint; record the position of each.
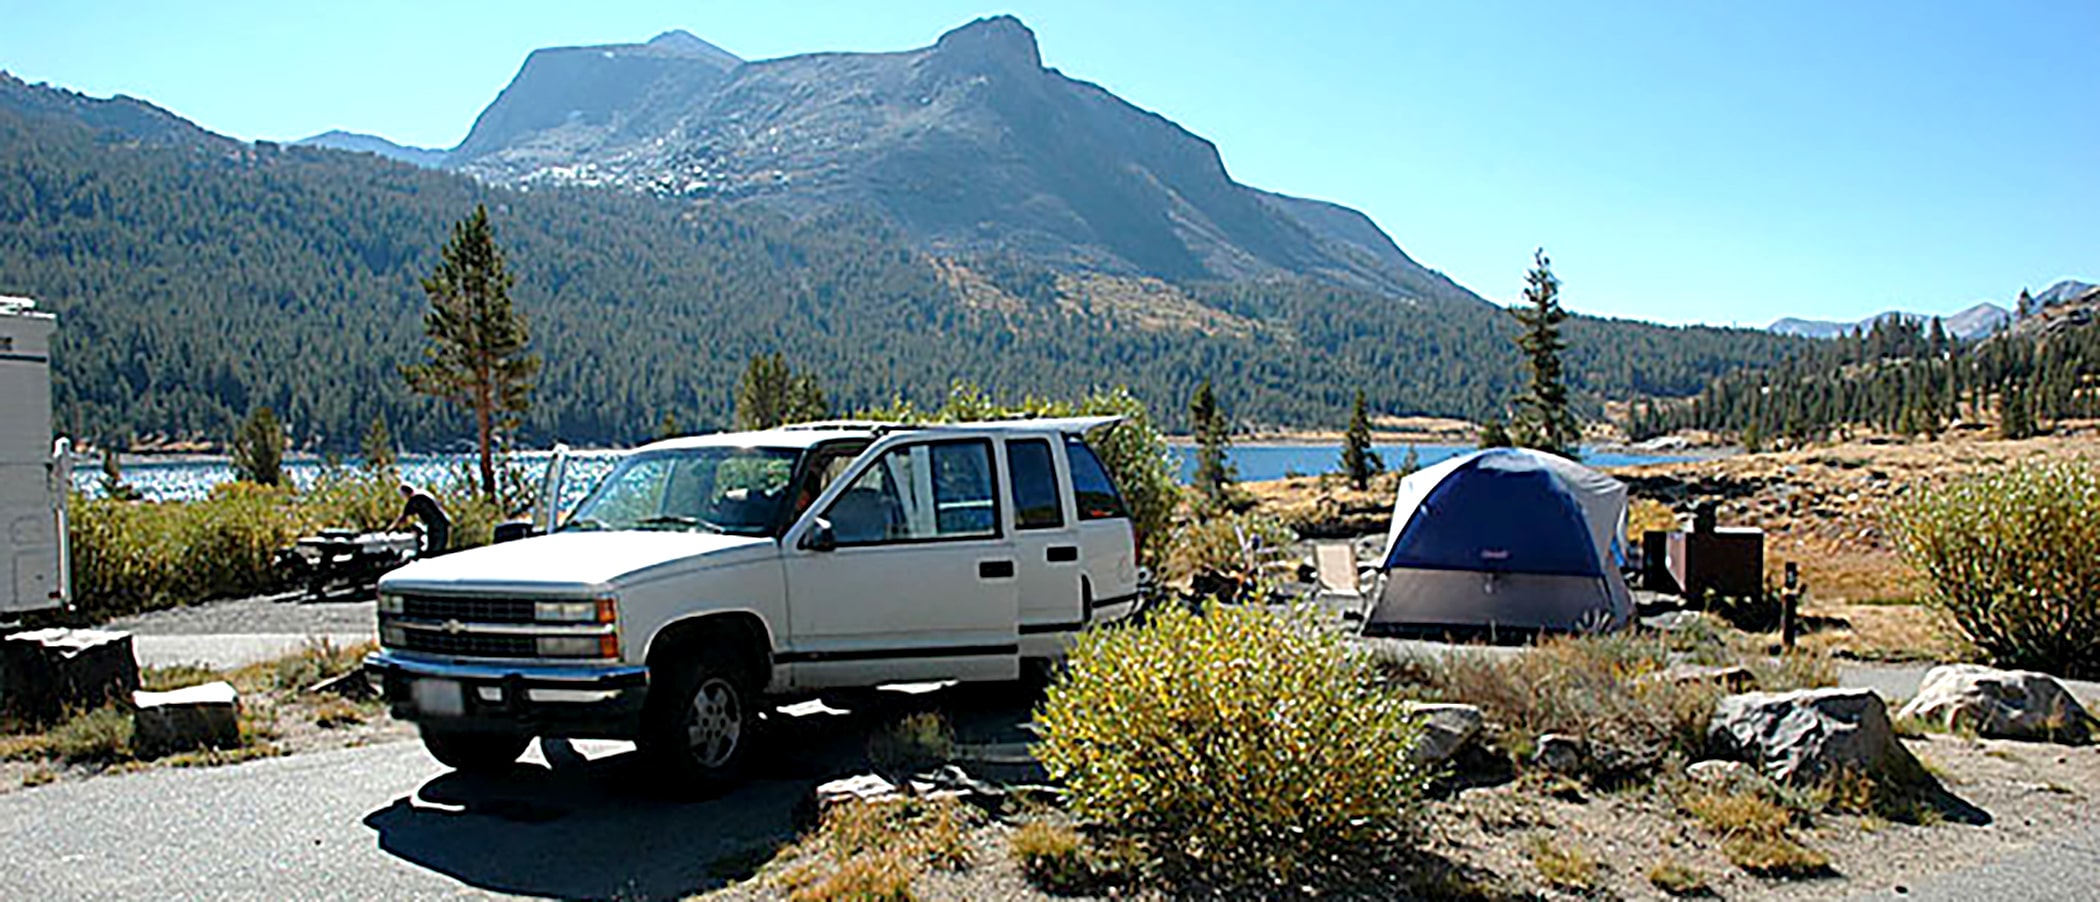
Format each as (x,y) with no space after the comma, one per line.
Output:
(472,645)
(466,610)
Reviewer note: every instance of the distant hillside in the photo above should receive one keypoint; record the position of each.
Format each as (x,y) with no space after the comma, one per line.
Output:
(197,278)
(373,144)
(1970,324)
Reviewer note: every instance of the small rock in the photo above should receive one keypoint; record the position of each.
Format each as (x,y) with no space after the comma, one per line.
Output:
(1804,736)
(1558,753)
(45,673)
(1732,678)
(1446,728)
(206,716)
(860,788)
(2001,704)
(348,685)
(1724,775)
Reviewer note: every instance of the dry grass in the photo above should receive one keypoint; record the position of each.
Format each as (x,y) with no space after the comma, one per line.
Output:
(101,736)
(1677,880)
(1053,856)
(1754,830)
(1564,865)
(1606,690)
(874,850)
(914,741)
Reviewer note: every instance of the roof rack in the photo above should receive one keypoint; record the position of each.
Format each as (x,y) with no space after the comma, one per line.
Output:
(1044,424)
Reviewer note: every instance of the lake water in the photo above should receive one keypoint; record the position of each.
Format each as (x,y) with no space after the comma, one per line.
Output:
(165,480)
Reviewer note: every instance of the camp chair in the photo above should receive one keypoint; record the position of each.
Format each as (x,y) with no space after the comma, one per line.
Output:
(1334,568)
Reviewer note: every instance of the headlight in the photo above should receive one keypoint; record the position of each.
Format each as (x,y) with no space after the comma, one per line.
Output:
(393,635)
(601,610)
(602,646)
(389,603)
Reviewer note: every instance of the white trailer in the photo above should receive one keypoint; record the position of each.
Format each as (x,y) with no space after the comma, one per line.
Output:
(33,469)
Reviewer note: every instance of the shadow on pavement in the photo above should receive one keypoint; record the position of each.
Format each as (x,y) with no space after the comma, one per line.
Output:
(606,828)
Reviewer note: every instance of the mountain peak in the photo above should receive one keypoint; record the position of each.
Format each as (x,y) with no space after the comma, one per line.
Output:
(1000,39)
(684,43)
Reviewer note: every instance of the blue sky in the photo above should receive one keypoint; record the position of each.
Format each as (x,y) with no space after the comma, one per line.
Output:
(1681,162)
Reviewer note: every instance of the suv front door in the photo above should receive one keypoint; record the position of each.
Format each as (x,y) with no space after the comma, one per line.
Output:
(905,574)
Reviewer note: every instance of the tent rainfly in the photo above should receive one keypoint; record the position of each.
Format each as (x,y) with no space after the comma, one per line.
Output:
(1504,541)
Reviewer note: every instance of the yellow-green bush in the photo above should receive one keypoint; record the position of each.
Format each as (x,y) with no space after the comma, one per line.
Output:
(1239,744)
(132,556)
(2014,558)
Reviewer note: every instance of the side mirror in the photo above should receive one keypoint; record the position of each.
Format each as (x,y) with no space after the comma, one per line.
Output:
(513,530)
(820,537)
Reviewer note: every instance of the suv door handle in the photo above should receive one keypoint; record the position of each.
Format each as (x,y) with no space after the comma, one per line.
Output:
(995,569)
(1061,554)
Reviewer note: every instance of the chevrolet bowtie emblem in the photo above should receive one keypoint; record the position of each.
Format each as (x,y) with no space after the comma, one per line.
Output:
(455,627)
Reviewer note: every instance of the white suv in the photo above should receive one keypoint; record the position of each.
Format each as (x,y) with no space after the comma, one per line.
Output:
(706,573)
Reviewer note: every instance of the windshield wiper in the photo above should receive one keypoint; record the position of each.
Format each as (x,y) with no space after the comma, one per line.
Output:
(677,520)
(584,524)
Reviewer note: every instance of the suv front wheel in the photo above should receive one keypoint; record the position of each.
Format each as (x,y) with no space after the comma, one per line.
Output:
(702,718)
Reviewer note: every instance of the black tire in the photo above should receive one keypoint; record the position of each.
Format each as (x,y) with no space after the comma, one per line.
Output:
(702,717)
(474,751)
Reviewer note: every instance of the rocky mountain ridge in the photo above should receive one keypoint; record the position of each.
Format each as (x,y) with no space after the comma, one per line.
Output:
(1975,322)
(971,144)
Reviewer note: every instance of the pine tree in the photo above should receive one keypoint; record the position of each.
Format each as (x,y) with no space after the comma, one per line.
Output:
(1494,435)
(1543,419)
(1411,462)
(377,447)
(477,355)
(2024,307)
(1214,473)
(772,394)
(257,449)
(1359,462)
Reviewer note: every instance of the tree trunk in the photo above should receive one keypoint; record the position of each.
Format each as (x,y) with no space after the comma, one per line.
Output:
(483,418)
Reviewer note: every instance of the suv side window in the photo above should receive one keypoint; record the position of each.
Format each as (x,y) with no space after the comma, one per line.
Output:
(1034,481)
(920,493)
(1091,487)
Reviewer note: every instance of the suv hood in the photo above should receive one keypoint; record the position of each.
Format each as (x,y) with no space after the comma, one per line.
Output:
(567,562)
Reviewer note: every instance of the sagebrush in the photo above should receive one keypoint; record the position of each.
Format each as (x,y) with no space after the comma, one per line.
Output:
(1236,744)
(2013,557)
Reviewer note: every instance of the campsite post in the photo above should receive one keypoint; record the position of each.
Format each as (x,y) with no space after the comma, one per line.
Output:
(1788,599)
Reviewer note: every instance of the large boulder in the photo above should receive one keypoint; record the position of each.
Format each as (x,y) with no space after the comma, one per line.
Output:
(46,673)
(207,716)
(1446,728)
(2004,704)
(1805,736)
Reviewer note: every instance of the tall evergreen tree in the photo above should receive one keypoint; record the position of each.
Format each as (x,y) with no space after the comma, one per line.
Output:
(477,354)
(377,446)
(257,449)
(773,394)
(1358,460)
(1214,474)
(1543,419)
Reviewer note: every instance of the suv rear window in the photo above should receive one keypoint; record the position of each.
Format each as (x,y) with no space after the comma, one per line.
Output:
(1091,487)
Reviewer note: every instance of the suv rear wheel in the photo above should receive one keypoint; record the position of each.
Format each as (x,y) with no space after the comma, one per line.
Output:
(702,717)
(474,751)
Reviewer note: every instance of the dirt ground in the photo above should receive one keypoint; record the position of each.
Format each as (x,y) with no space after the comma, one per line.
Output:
(2021,792)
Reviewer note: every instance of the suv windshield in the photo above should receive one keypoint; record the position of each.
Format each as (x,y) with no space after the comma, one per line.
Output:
(733,490)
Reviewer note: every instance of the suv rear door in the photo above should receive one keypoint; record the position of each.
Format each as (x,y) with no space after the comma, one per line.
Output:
(918,579)
(1047,546)
(1107,538)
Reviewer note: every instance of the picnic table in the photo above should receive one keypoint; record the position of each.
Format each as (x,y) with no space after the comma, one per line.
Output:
(346,557)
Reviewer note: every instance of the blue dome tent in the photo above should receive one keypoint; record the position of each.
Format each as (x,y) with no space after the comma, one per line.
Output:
(1503,541)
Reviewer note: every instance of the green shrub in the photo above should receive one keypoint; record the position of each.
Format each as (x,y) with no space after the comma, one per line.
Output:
(917,740)
(1239,744)
(136,556)
(2014,558)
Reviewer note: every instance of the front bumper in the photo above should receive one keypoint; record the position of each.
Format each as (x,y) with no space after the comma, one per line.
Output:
(599,701)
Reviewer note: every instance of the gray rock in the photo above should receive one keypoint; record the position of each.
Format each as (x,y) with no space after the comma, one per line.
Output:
(206,716)
(1723,774)
(2003,704)
(355,685)
(1807,735)
(45,673)
(1446,728)
(1558,753)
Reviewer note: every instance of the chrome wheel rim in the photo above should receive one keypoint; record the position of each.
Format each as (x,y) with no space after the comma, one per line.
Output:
(714,722)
